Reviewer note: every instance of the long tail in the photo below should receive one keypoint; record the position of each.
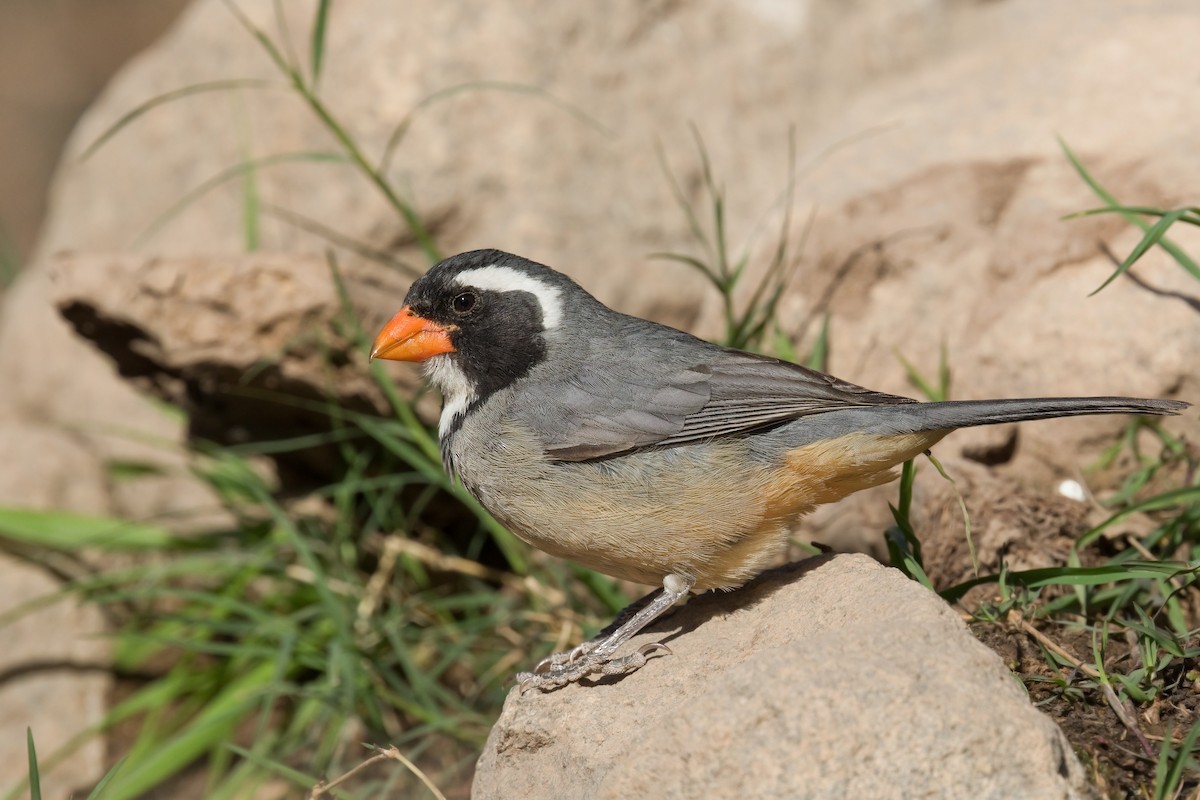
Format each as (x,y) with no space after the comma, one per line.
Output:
(966,413)
(853,448)
(940,418)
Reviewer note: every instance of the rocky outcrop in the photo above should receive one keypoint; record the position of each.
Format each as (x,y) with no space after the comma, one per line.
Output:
(835,677)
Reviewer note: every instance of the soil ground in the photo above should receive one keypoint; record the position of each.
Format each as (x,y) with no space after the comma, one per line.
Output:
(1055,657)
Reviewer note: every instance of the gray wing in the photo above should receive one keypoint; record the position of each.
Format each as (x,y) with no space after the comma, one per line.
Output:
(620,407)
(749,391)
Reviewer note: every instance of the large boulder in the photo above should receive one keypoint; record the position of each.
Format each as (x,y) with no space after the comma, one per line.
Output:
(835,677)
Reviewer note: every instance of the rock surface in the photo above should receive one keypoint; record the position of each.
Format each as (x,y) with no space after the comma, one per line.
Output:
(53,676)
(53,680)
(58,383)
(926,132)
(835,677)
(250,348)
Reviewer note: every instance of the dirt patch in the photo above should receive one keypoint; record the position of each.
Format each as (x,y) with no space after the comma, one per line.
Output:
(1114,751)
(1103,663)
(1053,646)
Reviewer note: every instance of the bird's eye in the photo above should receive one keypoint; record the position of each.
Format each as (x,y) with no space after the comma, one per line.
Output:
(464,303)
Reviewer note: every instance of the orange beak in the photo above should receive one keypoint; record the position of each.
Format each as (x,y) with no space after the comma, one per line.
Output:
(408,337)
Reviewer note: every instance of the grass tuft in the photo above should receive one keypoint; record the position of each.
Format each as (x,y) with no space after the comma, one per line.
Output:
(745,327)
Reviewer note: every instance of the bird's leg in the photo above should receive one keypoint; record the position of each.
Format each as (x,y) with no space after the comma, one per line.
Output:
(582,649)
(596,655)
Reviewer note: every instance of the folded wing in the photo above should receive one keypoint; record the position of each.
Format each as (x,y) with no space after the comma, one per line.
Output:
(604,412)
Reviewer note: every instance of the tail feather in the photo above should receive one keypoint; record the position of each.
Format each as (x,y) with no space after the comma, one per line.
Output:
(967,413)
(901,419)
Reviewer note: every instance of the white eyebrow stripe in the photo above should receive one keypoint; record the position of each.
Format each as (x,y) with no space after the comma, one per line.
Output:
(507,279)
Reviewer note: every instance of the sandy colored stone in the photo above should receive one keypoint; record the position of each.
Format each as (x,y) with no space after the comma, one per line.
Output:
(250,348)
(53,663)
(831,678)
(56,470)
(580,187)
(57,382)
(52,676)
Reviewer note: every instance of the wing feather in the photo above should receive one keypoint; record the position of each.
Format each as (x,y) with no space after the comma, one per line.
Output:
(730,392)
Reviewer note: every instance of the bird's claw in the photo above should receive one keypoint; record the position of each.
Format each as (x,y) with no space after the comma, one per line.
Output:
(566,657)
(653,647)
(560,669)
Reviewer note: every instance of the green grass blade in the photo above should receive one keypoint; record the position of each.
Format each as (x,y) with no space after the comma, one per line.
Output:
(902,558)
(602,587)
(903,544)
(1080,576)
(908,476)
(962,507)
(353,152)
(818,357)
(232,173)
(695,264)
(272,51)
(1168,771)
(163,99)
(285,36)
(35,777)
(510,546)
(945,375)
(1152,237)
(932,393)
(317,44)
(1092,183)
(10,258)
(1191,215)
(1176,252)
(685,206)
(146,700)
(1166,500)
(335,237)
(64,530)
(98,792)
(250,199)
(292,775)
(781,344)
(210,728)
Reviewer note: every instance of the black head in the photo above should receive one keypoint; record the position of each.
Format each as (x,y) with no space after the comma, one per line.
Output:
(497,308)
(482,320)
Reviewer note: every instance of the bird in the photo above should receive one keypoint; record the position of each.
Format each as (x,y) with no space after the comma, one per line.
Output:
(642,451)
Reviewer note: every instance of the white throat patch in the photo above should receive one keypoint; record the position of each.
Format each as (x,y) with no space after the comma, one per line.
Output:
(457,390)
(507,279)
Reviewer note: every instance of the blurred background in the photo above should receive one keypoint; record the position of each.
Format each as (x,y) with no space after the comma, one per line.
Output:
(55,55)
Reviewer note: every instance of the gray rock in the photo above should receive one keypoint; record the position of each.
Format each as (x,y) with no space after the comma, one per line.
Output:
(831,678)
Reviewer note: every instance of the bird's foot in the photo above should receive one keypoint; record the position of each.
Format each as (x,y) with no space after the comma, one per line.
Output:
(560,669)
(566,657)
(596,656)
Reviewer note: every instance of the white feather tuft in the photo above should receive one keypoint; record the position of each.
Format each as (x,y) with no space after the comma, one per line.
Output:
(457,390)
